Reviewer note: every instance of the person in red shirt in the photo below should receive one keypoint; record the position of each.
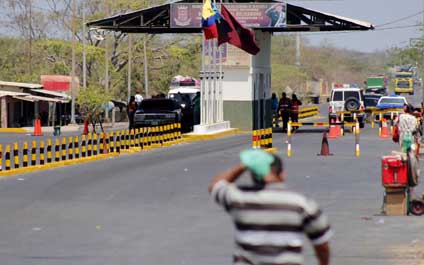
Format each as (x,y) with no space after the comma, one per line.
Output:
(295,106)
(284,107)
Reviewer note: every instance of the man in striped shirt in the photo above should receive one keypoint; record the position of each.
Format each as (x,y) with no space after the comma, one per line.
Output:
(270,221)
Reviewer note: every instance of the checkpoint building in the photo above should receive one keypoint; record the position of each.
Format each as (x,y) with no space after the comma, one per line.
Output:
(243,98)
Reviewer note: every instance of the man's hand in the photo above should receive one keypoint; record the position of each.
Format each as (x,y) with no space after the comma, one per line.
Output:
(230,175)
(322,252)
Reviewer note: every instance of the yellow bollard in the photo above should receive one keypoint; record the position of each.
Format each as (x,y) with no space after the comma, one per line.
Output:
(76,148)
(42,157)
(56,151)
(16,155)
(64,149)
(70,148)
(34,153)
(95,137)
(25,155)
(7,158)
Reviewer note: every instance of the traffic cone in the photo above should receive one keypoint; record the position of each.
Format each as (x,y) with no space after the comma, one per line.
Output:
(333,130)
(85,132)
(384,130)
(37,127)
(325,149)
(338,127)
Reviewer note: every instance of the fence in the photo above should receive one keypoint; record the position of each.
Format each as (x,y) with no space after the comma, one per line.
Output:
(75,149)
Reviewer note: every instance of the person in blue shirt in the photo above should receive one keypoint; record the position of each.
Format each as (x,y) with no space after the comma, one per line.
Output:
(274,104)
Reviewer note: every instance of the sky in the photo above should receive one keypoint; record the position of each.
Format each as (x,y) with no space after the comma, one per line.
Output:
(377,12)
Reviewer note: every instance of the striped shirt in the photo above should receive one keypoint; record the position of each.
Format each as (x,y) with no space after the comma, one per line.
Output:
(271,223)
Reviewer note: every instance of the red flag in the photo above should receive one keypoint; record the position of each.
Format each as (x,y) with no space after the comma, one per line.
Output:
(239,36)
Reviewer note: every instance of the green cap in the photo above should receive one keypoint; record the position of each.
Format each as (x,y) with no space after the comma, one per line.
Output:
(257,161)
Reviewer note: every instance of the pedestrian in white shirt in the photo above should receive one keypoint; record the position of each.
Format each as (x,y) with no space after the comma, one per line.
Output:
(138,97)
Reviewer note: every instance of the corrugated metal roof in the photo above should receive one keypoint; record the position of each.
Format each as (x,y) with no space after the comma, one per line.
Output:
(4,93)
(33,98)
(51,93)
(17,84)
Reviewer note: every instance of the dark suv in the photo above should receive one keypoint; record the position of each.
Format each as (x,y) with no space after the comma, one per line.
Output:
(157,111)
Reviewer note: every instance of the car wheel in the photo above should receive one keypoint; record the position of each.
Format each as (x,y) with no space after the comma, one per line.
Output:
(352,104)
(417,207)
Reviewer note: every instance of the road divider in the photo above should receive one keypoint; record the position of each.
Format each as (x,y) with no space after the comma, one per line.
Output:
(262,139)
(72,150)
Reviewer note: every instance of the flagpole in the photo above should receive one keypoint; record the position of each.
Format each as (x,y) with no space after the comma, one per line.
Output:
(203,85)
(221,80)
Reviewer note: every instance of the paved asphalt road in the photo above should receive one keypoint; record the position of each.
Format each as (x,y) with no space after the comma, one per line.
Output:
(153,208)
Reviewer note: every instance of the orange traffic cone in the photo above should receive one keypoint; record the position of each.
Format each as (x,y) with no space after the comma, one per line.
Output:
(85,132)
(338,127)
(384,131)
(325,149)
(37,127)
(333,130)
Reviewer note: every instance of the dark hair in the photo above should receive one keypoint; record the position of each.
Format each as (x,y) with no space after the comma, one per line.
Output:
(132,98)
(407,108)
(277,166)
(284,94)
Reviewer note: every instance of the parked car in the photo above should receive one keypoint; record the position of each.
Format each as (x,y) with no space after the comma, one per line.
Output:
(157,111)
(371,100)
(348,100)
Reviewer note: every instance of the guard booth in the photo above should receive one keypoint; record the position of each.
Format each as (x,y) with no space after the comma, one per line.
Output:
(236,86)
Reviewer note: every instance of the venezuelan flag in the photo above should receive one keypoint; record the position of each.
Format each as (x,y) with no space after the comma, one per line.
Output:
(209,20)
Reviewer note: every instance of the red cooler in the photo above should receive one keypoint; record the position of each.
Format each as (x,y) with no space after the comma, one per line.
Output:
(394,172)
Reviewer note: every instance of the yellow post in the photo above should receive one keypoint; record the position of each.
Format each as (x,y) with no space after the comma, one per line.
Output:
(25,155)
(76,147)
(70,148)
(33,153)
(16,155)
(7,158)
(42,157)
(64,149)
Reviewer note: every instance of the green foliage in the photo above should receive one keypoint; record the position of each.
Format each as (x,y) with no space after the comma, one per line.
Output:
(92,99)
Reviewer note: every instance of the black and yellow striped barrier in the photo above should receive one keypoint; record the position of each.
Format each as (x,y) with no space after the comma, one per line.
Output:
(70,150)
(262,139)
(304,112)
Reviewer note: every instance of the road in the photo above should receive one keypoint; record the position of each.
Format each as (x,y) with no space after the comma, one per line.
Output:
(153,208)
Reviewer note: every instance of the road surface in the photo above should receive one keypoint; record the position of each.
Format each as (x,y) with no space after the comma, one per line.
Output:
(153,208)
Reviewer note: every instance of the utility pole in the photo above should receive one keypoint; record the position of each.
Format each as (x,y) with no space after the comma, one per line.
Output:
(84,48)
(107,63)
(129,64)
(74,42)
(146,74)
(30,37)
(297,49)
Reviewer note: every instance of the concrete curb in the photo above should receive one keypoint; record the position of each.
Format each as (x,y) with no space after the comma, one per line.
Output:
(56,165)
(204,137)
(13,130)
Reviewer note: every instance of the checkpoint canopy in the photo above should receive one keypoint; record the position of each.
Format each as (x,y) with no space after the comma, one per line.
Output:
(246,90)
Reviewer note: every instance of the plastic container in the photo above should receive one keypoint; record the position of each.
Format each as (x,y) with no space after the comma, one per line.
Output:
(394,172)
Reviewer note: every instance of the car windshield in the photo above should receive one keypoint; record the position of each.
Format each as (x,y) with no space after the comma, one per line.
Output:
(403,84)
(352,94)
(392,101)
(181,98)
(403,76)
(158,104)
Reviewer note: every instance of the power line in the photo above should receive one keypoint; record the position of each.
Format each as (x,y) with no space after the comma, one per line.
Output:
(401,19)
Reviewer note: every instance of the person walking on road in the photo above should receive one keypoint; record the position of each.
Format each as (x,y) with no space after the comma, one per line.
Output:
(295,106)
(274,105)
(284,107)
(131,109)
(270,220)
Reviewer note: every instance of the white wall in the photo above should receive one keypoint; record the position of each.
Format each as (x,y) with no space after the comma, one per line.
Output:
(237,84)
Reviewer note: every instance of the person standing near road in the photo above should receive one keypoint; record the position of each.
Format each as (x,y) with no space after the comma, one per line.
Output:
(407,124)
(138,97)
(270,221)
(295,106)
(274,105)
(131,109)
(284,107)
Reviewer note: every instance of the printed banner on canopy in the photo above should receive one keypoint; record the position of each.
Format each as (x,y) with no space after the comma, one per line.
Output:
(252,15)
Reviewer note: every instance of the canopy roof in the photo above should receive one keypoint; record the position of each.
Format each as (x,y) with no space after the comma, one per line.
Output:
(160,19)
